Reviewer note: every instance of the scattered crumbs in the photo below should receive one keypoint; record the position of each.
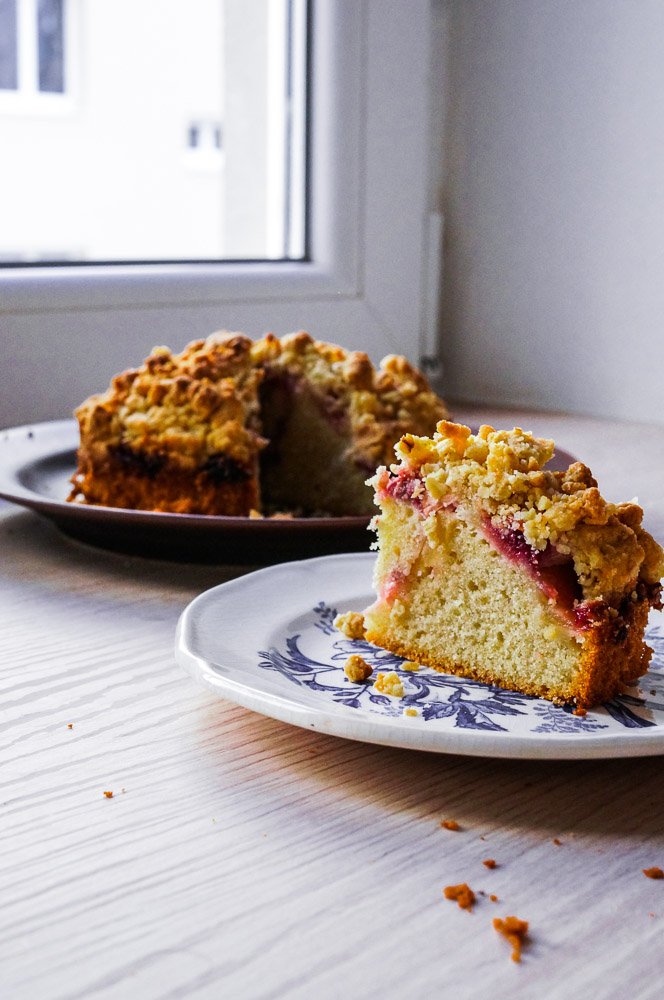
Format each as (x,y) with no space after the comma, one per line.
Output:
(652,914)
(654,872)
(481,838)
(410,711)
(556,842)
(69,725)
(580,711)
(516,932)
(123,789)
(356,669)
(109,795)
(462,893)
(389,684)
(450,824)
(489,863)
(351,624)
(653,690)
(410,665)
(493,897)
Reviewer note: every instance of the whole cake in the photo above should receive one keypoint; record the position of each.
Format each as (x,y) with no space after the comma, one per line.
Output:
(495,568)
(235,426)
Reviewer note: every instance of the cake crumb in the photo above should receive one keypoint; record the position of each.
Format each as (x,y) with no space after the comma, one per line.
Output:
(580,711)
(109,795)
(69,725)
(489,863)
(357,669)
(493,897)
(389,684)
(410,665)
(516,932)
(654,872)
(462,893)
(556,842)
(351,623)
(410,711)
(450,824)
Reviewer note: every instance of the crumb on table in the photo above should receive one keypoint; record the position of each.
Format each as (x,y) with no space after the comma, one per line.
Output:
(450,824)
(389,684)
(410,665)
(357,669)
(109,795)
(489,863)
(351,623)
(516,932)
(654,872)
(462,893)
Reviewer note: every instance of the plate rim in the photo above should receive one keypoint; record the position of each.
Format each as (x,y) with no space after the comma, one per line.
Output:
(391,731)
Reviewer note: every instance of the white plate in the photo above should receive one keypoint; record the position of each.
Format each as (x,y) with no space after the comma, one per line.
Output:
(266,641)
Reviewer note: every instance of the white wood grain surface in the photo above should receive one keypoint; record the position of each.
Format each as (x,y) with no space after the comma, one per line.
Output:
(243,858)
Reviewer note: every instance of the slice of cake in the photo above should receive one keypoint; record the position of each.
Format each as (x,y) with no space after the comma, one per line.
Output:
(231,426)
(492,567)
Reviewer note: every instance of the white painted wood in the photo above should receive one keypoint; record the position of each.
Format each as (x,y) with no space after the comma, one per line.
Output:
(249,859)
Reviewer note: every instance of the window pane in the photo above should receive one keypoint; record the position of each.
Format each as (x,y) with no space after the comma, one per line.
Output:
(177,142)
(8,61)
(50,37)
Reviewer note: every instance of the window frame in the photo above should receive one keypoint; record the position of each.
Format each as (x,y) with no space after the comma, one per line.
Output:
(369,245)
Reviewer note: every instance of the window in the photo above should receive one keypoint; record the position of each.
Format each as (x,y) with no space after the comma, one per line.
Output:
(360,283)
(138,169)
(32,52)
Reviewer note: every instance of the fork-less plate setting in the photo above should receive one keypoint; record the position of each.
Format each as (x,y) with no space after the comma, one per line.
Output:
(267,641)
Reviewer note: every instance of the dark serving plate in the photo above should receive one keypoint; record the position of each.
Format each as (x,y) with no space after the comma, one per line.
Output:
(37,461)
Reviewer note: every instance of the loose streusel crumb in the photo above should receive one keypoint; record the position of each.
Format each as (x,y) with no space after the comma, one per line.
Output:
(410,665)
(493,898)
(516,932)
(357,669)
(556,842)
(389,684)
(351,623)
(70,726)
(450,824)
(462,893)
(489,863)
(410,711)
(654,872)
(109,795)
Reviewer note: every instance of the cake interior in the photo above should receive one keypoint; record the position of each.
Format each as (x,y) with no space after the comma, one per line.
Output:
(450,596)
(307,463)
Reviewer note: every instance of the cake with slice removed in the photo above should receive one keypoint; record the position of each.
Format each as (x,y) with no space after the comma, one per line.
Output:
(493,567)
(233,426)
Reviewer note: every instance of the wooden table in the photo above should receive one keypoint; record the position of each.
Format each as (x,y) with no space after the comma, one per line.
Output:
(239,857)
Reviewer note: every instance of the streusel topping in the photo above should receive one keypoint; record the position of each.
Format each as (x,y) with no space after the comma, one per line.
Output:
(501,475)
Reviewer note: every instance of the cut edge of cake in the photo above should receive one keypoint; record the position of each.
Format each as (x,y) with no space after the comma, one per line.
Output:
(495,568)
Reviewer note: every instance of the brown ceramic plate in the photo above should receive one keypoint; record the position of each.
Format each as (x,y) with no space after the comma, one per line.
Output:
(37,461)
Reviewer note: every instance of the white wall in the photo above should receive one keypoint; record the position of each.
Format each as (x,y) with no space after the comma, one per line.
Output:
(554,205)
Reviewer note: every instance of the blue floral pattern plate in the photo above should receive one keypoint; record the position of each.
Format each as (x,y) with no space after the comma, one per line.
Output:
(266,641)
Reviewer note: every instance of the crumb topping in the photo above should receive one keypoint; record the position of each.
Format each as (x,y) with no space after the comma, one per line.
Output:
(357,669)
(351,623)
(516,932)
(389,684)
(462,893)
(500,475)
